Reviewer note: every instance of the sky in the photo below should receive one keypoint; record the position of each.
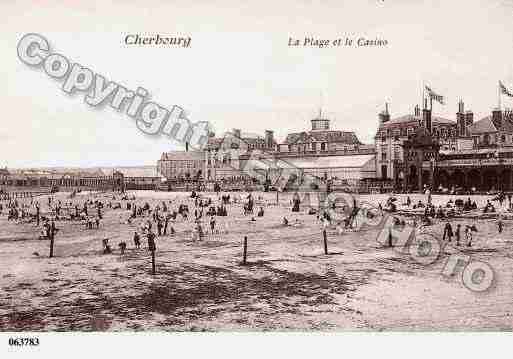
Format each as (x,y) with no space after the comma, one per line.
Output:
(239,71)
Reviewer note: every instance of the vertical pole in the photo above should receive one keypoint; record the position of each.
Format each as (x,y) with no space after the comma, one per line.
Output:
(277,200)
(499,95)
(51,244)
(153,262)
(423,96)
(245,250)
(325,238)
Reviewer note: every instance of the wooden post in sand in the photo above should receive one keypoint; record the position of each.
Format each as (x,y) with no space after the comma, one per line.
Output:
(51,244)
(245,250)
(325,238)
(152,248)
(153,262)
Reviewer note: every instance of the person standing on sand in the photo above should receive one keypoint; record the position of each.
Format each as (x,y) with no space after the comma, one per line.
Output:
(212,224)
(468,235)
(37,213)
(151,241)
(137,240)
(159,226)
(458,234)
(447,231)
(166,223)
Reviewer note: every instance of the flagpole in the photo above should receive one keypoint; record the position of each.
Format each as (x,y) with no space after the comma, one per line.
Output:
(423,96)
(499,94)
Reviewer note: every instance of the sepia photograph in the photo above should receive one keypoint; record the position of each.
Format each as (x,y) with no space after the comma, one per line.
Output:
(207,172)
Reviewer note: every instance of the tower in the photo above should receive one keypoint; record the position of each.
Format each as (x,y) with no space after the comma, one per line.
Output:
(460,120)
(426,117)
(320,123)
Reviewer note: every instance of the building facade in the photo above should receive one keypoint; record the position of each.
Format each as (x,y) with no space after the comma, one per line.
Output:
(422,151)
(392,134)
(321,152)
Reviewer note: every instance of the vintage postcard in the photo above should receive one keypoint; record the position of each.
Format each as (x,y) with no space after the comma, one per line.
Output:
(235,167)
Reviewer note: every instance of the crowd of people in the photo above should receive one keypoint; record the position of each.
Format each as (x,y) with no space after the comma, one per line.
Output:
(201,214)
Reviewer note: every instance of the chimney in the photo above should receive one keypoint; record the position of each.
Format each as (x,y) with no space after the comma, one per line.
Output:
(469,121)
(460,119)
(497,118)
(426,117)
(236,132)
(384,116)
(269,138)
(416,111)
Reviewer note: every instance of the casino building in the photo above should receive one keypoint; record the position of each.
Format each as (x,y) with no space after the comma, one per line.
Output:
(420,150)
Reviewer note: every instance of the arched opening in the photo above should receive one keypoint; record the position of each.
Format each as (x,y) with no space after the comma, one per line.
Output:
(505,180)
(442,179)
(490,180)
(458,179)
(412,177)
(426,178)
(474,179)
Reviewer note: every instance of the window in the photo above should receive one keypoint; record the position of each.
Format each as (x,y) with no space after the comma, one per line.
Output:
(384,156)
(323,146)
(503,138)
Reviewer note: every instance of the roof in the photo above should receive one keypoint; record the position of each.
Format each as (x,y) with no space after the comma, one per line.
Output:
(183,156)
(409,119)
(486,124)
(142,171)
(81,173)
(477,151)
(322,136)
(483,125)
(350,161)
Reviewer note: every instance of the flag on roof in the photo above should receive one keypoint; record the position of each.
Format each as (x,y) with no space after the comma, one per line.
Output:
(504,90)
(433,95)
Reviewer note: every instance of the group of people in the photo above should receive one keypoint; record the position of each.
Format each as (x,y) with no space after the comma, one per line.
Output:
(449,233)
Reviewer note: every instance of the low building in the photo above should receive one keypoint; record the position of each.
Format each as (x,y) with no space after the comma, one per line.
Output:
(182,165)
(138,178)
